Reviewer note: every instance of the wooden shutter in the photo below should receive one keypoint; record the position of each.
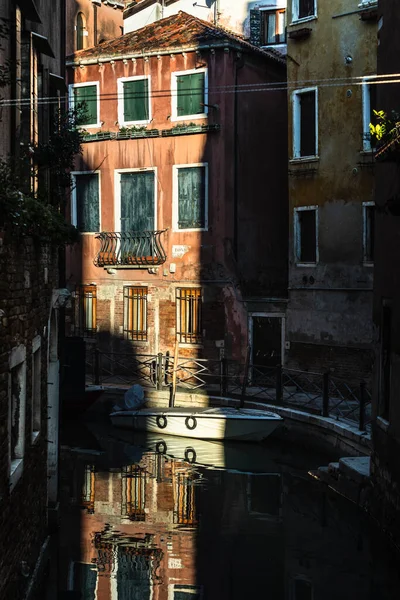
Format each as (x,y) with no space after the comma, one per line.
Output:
(308,236)
(190,89)
(137,201)
(307,124)
(87,95)
(191,198)
(87,202)
(256,27)
(136,100)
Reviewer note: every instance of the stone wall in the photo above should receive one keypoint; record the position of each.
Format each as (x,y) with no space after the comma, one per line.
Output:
(27,278)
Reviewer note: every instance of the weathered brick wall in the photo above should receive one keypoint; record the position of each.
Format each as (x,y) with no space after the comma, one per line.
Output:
(28,275)
(351,364)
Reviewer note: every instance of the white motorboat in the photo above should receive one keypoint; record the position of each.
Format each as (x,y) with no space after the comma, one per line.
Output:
(219,423)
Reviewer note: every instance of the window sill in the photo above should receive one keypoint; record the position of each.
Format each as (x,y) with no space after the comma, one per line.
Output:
(134,123)
(189,345)
(17,466)
(91,126)
(368,264)
(383,423)
(303,20)
(304,159)
(189,117)
(305,264)
(189,230)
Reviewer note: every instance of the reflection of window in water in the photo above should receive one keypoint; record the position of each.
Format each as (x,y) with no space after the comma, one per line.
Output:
(134,492)
(88,488)
(84,581)
(264,494)
(184,592)
(302,589)
(133,576)
(184,499)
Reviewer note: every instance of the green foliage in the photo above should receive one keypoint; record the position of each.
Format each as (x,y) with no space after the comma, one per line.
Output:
(133,129)
(385,134)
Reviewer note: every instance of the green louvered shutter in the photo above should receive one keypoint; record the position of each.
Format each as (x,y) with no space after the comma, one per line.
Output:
(87,95)
(87,202)
(137,201)
(136,100)
(191,203)
(190,90)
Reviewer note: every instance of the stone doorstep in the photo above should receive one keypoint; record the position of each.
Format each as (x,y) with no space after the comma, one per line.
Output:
(356,468)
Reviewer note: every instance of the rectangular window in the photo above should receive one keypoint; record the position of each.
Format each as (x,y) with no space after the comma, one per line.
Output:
(306,235)
(304,9)
(134,100)
(36,387)
(189,303)
(185,512)
(86,310)
(305,123)
(135,313)
(189,94)
(302,589)
(191,202)
(17,410)
(274,27)
(85,210)
(86,97)
(369,90)
(369,231)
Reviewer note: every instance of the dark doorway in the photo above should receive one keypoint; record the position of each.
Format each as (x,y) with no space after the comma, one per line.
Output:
(266,340)
(386,361)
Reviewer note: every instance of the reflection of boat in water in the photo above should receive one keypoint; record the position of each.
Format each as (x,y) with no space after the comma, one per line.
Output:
(219,423)
(230,456)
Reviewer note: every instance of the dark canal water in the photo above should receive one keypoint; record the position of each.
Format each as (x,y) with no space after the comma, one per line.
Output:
(173,519)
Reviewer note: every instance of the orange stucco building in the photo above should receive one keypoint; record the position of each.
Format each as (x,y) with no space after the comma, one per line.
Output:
(183,172)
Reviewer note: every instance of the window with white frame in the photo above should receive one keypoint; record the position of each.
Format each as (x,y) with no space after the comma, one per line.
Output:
(305,123)
(86,97)
(191,197)
(304,9)
(189,94)
(306,235)
(85,208)
(369,90)
(17,411)
(368,232)
(134,100)
(273,27)
(36,387)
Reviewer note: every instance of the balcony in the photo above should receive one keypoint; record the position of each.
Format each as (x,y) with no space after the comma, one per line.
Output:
(130,249)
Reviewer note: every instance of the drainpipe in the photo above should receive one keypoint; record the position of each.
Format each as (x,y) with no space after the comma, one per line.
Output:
(239,65)
(162,9)
(216,12)
(95,25)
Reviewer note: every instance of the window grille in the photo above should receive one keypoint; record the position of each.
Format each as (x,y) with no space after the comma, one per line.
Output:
(189,315)
(86,313)
(135,313)
(185,503)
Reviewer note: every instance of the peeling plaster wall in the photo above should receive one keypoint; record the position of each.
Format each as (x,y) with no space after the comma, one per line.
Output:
(331,303)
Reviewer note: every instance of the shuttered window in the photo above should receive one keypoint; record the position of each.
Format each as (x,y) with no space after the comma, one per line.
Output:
(87,202)
(135,313)
(137,201)
(306,236)
(191,94)
(189,303)
(305,117)
(136,100)
(274,30)
(192,197)
(86,96)
(86,310)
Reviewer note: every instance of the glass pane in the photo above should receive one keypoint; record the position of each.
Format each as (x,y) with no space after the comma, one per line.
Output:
(87,95)
(307,124)
(190,99)
(191,198)
(271,28)
(87,202)
(136,100)
(307,222)
(306,8)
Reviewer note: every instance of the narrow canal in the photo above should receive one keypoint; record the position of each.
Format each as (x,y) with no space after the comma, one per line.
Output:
(146,518)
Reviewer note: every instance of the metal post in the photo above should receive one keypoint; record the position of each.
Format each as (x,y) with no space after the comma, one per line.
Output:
(159,374)
(97,366)
(325,395)
(278,389)
(223,374)
(361,425)
(245,377)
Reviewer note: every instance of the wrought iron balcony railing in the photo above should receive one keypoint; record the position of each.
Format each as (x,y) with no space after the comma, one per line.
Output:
(140,249)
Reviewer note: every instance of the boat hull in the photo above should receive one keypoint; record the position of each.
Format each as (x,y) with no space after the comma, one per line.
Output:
(245,425)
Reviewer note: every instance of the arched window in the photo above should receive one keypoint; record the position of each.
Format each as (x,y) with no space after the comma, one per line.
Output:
(81,32)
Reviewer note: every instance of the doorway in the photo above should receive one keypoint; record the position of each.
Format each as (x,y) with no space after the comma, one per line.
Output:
(266,336)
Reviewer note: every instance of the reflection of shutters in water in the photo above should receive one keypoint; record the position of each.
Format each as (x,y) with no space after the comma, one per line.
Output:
(137,211)
(85,580)
(135,492)
(133,576)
